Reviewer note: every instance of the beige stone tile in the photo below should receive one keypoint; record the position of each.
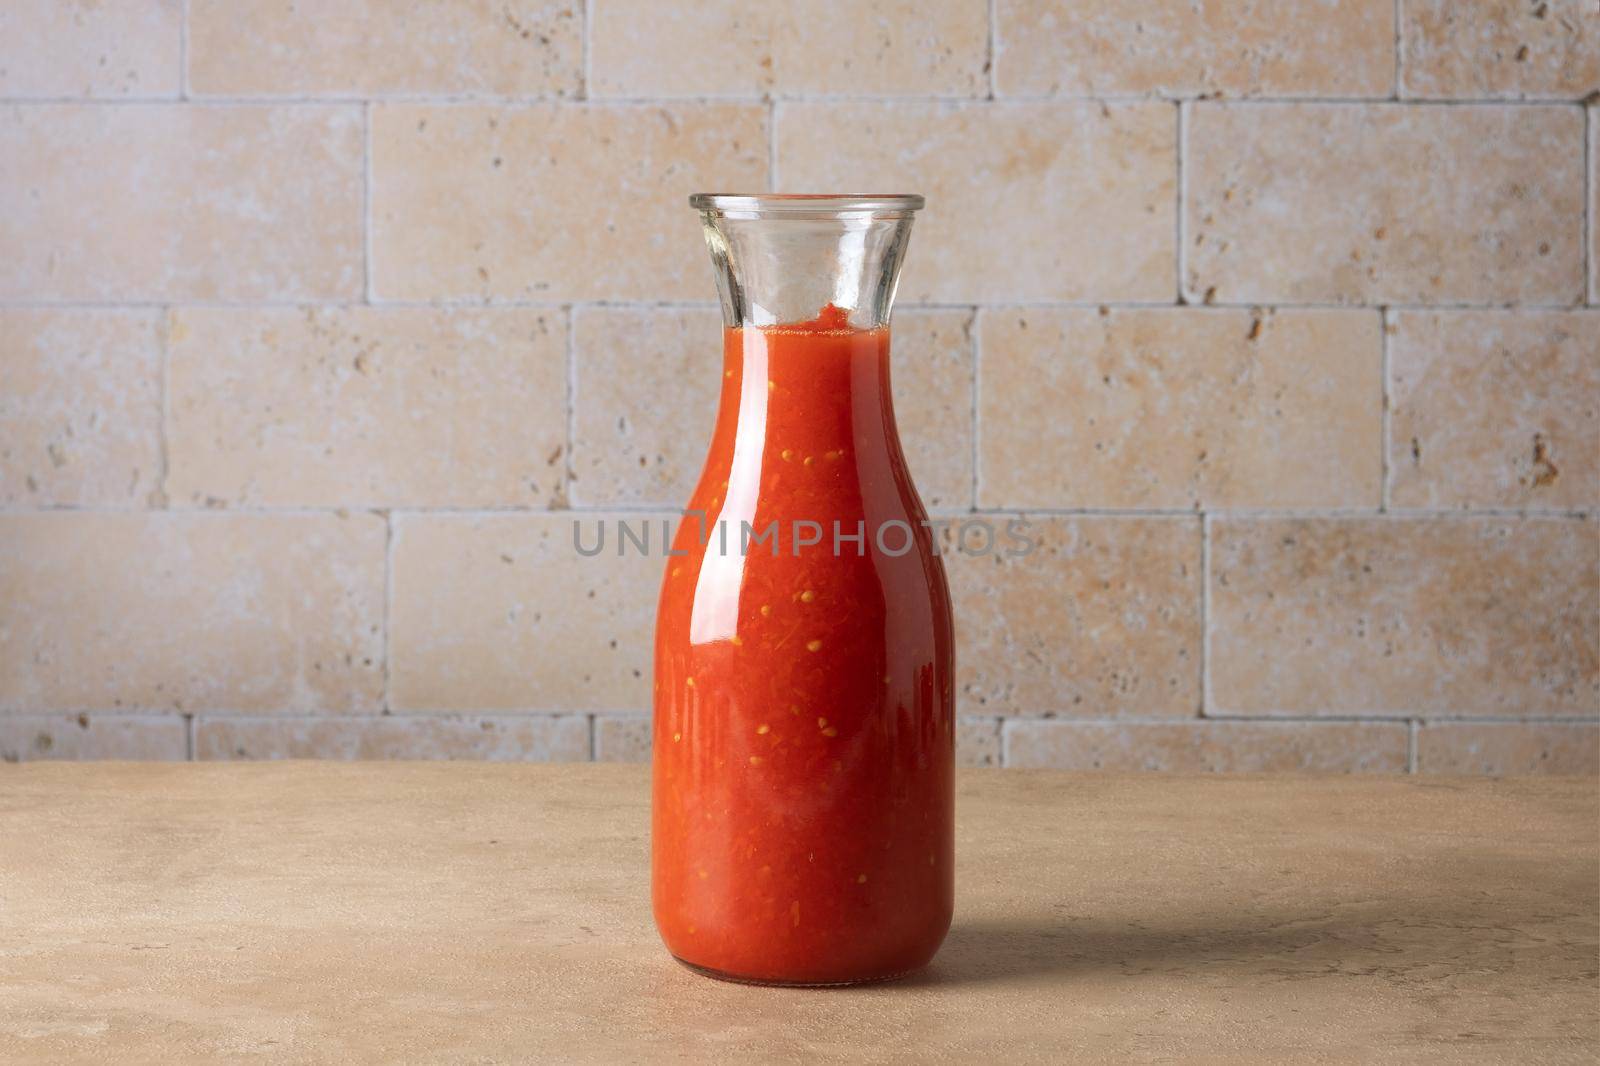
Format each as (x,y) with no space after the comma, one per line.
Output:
(191,611)
(80,408)
(1180,408)
(645,399)
(1594,202)
(1495,409)
(158,202)
(815,47)
(500,612)
(1101,619)
(977,741)
(1383,203)
(1209,746)
(367,407)
(1026,201)
(622,737)
(932,369)
(28,737)
(93,48)
(1499,48)
(1509,748)
(490,738)
(647,392)
(368,48)
(1461,616)
(554,201)
(1234,48)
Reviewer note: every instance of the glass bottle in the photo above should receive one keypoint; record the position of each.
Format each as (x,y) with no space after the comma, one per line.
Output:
(803,791)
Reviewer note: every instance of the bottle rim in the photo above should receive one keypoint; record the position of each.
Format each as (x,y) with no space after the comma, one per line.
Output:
(809,206)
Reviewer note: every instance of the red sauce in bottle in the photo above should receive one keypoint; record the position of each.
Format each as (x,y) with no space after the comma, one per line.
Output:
(803,746)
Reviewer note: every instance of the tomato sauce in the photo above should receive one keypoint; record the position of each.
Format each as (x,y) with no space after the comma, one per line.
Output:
(803,736)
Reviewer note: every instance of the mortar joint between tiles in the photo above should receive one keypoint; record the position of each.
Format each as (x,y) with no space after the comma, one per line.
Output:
(553,99)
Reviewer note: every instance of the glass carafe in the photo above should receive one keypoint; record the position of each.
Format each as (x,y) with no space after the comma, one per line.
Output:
(803,792)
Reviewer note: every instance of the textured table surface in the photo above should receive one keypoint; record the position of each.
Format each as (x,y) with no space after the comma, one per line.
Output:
(475,913)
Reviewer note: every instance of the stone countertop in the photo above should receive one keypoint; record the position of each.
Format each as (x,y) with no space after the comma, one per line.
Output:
(451,912)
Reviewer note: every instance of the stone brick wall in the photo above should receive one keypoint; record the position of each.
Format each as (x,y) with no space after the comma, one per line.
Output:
(1279,322)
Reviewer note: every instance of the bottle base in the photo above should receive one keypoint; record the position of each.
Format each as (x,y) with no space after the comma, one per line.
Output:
(770,982)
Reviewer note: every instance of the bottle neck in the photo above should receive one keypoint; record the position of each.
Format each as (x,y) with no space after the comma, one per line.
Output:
(777,270)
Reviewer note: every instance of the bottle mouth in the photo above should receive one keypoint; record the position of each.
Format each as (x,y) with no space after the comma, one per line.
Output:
(806,206)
